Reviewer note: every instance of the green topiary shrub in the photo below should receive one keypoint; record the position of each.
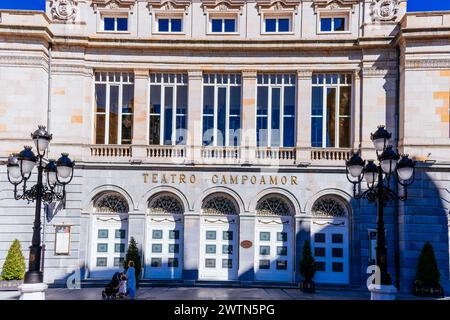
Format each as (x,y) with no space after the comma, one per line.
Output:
(14,266)
(307,264)
(427,268)
(133,255)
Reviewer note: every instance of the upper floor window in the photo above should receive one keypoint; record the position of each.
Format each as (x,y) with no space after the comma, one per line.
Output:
(223,25)
(115,24)
(168,108)
(221,109)
(277,24)
(170,25)
(114,104)
(333,23)
(331,110)
(275,110)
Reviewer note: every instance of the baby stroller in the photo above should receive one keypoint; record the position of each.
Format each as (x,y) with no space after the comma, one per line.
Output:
(112,288)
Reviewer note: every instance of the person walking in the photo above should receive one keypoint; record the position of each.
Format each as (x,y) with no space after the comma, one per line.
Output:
(131,277)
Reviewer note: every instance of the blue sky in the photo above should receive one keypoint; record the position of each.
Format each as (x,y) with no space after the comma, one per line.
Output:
(413,5)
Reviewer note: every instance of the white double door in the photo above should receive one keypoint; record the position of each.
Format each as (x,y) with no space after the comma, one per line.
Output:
(108,248)
(274,249)
(330,247)
(164,247)
(219,240)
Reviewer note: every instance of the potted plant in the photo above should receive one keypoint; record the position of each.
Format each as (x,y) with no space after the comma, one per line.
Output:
(14,268)
(307,269)
(133,255)
(427,283)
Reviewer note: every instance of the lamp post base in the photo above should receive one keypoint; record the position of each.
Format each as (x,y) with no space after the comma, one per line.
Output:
(32,291)
(382,292)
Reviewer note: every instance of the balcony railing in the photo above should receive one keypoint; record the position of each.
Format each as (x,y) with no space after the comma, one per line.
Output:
(219,155)
(111,151)
(166,152)
(330,155)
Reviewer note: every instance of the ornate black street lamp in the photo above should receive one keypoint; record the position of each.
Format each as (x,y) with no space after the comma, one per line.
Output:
(378,178)
(58,175)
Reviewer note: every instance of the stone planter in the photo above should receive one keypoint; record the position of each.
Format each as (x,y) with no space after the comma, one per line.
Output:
(428,291)
(308,286)
(10,285)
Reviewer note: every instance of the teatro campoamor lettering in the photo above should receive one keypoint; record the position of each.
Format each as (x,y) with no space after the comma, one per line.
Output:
(223,179)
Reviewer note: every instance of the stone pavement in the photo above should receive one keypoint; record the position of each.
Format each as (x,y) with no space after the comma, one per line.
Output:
(208,293)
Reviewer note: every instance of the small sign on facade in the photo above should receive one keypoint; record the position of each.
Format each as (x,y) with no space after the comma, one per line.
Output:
(246,244)
(62,240)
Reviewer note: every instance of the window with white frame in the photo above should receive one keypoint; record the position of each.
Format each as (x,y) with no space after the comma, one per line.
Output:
(115,23)
(334,22)
(222,105)
(114,103)
(168,108)
(275,110)
(169,24)
(219,24)
(331,110)
(274,24)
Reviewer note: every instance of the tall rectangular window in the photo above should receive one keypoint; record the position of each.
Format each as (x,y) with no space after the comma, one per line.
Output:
(168,109)
(114,105)
(275,110)
(331,111)
(222,106)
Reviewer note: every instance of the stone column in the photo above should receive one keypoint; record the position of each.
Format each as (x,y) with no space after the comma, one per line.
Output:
(246,271)
(248,137)
(194,126)
(136,229)
(191,247)
(302,232)
(140,114)
(303,115)
(356,110)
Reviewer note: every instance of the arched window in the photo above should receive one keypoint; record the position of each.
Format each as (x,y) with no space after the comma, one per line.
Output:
(219,205)
(329,207)
(165,204)
(273,206)
(111,203)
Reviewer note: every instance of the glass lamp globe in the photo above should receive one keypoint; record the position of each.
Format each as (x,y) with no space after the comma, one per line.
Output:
(405,168)
(64,166)
(355,165)
(27,160)
(380,138)
(51,173)
(41,139)
(371,173)
(389,160)
(13,167)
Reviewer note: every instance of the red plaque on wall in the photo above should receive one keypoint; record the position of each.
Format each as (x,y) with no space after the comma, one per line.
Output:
(246,244)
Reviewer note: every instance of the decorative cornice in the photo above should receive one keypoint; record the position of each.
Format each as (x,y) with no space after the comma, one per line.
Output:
(335,4)
(249,74)
(113,4)
(376,72)
(277,5)
(72,69)
(195,74)
(427,64)
(304,74)
(40,62)
(169,5)
(223,5)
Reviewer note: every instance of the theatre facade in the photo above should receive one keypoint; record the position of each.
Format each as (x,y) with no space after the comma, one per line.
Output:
(215,133)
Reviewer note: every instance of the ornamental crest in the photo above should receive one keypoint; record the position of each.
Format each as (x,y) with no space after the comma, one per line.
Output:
(384,10)
(64,10)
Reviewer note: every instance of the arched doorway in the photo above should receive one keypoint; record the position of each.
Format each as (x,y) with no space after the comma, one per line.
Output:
(274,239)
(330,240)
(109,235)
(164,244)
(219,233)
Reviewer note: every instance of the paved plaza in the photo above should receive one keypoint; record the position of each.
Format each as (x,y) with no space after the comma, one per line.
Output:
(205,293)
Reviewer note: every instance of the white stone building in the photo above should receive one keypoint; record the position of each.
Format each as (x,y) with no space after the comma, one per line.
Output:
(215,132)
